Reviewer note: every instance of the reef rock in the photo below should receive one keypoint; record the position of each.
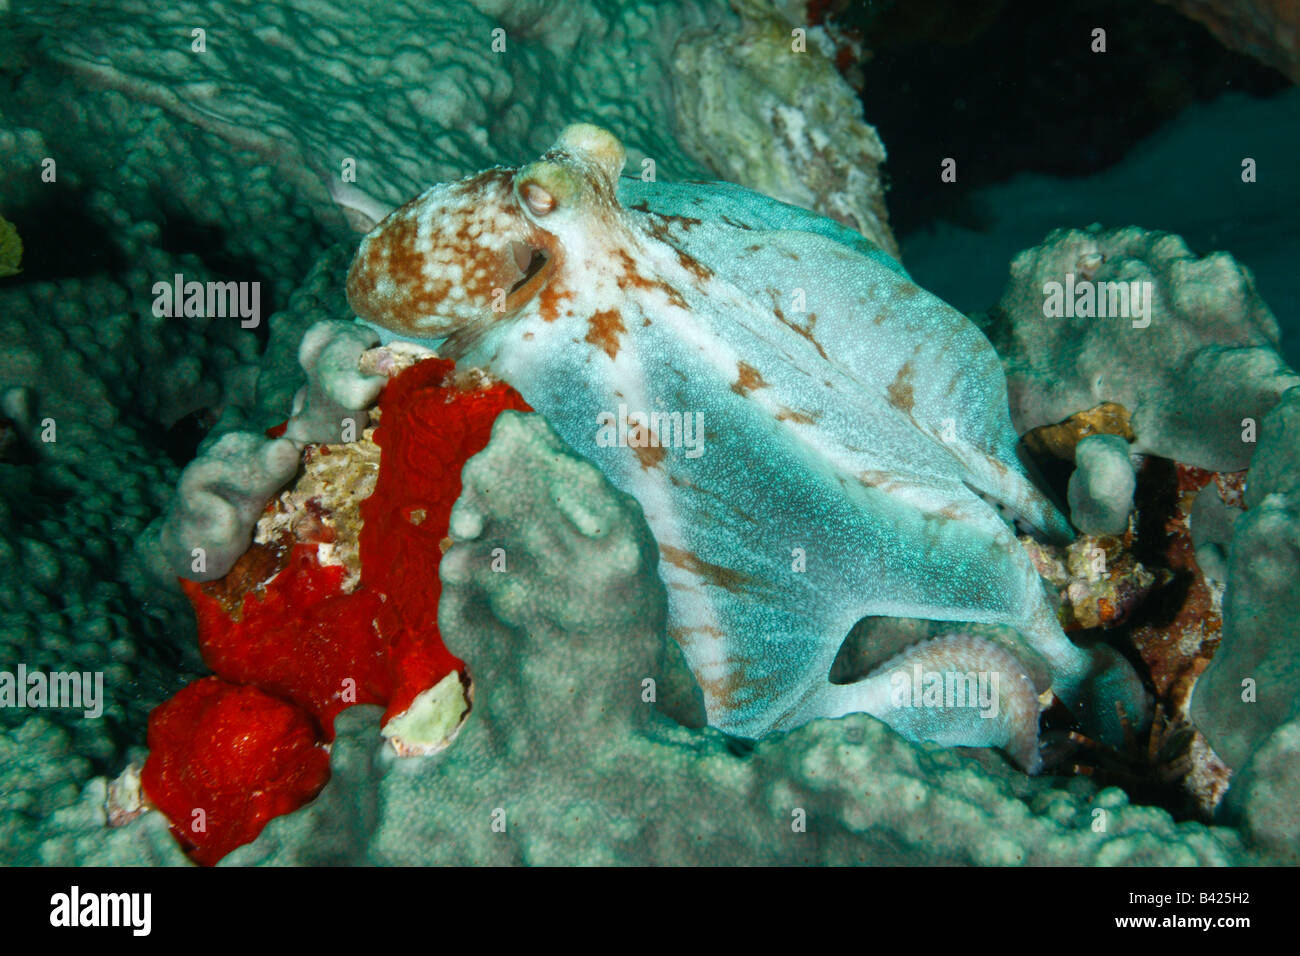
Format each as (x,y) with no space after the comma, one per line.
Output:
(765,107)
(1101,488)
(1268,30)
(1252,685)
(1197,374)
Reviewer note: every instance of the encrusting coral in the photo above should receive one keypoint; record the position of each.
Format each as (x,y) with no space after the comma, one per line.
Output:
(1252,687)
(785,125)
(1101,488)
(1099,346)
(209,522)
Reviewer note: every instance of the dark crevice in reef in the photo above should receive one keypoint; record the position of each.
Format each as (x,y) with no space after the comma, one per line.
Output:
(62,239)
(180,442)
(1155,497)
(1011,86)
(1050,475)
(42,498)
(741,747)
(1150,766)
(180,234)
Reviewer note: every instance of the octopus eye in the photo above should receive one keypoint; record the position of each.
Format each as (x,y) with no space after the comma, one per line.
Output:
(539,201)
(530,262)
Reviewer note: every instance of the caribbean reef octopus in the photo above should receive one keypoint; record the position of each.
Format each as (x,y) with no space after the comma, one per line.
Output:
(813,438)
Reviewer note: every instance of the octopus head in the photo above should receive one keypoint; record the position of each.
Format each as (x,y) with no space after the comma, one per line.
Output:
(463,255)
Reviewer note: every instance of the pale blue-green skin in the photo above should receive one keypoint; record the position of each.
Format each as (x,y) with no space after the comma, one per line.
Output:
(882,494)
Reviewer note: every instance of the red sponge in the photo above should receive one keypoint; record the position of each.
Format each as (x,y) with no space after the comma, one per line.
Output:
(225,759)
(281,625)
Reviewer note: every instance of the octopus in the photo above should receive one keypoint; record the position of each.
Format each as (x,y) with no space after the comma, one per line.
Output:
(813,438)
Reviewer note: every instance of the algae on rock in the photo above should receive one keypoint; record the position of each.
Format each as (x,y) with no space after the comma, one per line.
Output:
(11,249)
